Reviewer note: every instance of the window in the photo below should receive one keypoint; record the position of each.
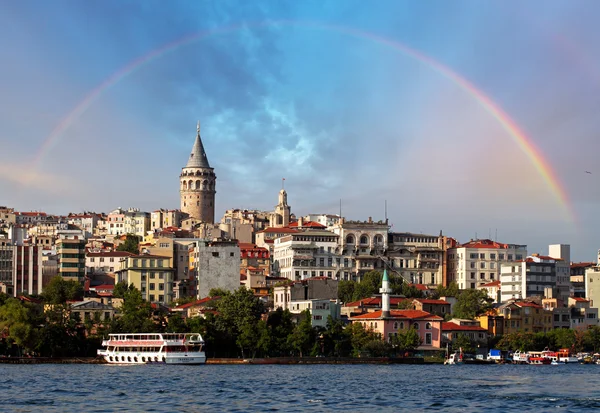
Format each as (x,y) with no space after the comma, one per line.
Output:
(472,285)
(215,254)
(161,286)
(428,326)
(152,275)
(482,276)
(473,265)
(492,256)
(428,339)
(161,298)
(482,265)
(161,275)
(395,325)
(92,259)
(416,326)
(151,286)
(472,275)
(231,254)
(482,256)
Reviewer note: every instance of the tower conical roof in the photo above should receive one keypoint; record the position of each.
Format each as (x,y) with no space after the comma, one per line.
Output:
(198,157)
(385,276)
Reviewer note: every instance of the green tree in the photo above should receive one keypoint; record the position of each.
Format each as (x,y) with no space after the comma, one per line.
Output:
(406,304)
(471,303)
(136,315)
(59,291)
(359,337)
(406,341)
(346,291)
(378,348)
(336,339)
(176,324)
(411,291)
(450,291)
(561,338)
(131,244)
(281,327)
(463,341)
(303,337)
(121,288)
(17,324)
(218,292)
(592,339)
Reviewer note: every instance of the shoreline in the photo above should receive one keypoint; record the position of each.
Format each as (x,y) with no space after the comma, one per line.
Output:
(233,361)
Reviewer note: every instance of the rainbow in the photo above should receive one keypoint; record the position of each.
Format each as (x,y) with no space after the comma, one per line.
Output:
(513,130)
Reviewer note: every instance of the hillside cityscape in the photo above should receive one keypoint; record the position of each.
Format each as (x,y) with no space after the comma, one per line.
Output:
(273,283)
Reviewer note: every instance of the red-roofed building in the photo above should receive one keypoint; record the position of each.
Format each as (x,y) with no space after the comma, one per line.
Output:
(255,257)
(437,307)
(301,224)
(492,289)
(478,262)
(104,262)
(197,308)
(525,316)
(427,325)
(368,305)
(469,328)
(534,276)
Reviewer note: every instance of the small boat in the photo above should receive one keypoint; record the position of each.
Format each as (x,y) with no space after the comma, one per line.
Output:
(519,357)
(537,358)
(565,356)
(455,358)
(150,348)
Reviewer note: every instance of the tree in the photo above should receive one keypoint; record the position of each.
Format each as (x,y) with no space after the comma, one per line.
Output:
(471,303)
(176,324)
(450,291)
(302,338)
(346,291)
(561,338)
(463,341)
(336,339)
(411,291)
(136,315)
(218,292)
(16,323)
(359,337)
(592,339)
(131,244)
(121,288)
(406,304)
(59,291)
(281,327)
(407,340)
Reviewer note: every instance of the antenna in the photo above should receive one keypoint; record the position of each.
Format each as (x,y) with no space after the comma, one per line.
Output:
(282,183)
(496,237)
(386,210)
(340,207)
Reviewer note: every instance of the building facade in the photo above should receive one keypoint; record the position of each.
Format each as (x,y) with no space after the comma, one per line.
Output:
(151,274)
(478,261)
(71,257)
(528,278)
(198,184)
(215,264)
(418,258)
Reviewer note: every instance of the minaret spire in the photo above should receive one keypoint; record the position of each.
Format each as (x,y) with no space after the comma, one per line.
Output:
(198,157)
(198,128)
(385,291)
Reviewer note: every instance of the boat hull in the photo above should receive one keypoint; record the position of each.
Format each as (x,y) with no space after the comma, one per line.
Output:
(152,358)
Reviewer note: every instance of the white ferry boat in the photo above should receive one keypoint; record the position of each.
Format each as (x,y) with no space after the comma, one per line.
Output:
(145,348)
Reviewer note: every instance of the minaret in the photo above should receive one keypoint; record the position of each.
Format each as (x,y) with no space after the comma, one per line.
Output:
(281,216)
(385,291)
(198,184)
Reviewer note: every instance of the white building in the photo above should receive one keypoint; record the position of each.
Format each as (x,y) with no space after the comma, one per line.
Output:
(86,222)
(562,254)
(319,310)
(104,262)
(311,253)
(478,261)
(528,278)
(130,221)
(328,220)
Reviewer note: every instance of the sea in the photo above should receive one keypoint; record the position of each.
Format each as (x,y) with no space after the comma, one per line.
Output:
(299,388)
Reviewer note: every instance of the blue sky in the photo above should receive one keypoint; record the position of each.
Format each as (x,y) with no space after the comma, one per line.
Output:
(284,89)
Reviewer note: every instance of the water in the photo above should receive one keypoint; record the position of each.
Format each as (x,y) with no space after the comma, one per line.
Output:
(349,388)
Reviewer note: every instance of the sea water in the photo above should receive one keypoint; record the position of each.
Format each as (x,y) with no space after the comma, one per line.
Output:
(299,388)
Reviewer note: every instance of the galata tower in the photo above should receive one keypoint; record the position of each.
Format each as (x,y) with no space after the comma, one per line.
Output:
(198,184)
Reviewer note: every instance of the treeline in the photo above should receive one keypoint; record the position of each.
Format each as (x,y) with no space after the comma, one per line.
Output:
(587,340)
(239,326)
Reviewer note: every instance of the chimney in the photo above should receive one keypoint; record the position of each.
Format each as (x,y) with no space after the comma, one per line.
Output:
(300,222)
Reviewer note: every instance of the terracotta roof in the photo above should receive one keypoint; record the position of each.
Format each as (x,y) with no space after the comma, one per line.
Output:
(250,246)
(457,327)
(583,264)
(272,230)
(308,224)
(492,284)
(484,243)
(403,314)
(419,287)
(197,302)
(580,299)
(432,301)
(104,287)
(527,304)
(375,302)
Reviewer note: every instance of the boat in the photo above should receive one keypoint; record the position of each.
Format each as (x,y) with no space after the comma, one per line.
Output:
(519,357)
(148,348)
(537,358)
(455,358)
(565,356)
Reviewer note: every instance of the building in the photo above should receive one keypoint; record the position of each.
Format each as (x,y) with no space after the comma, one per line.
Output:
(103,262)
(71,257)
(255,258)
(437,307)
(215,264)
(492,289)
(478,261)
(522,316)
(577,278)
(493,323)
(92,310)
(87,222)
(280,217)
(266,237)
(389,322)
(562,255)
(477,334)
(370,304)
(308,254)
(529,278)
(198,184)
(582,315)
(165,218)
(592,284)
(418,258)
(151,274)
(320,310)
(21,269)
(561,315)
(318,288)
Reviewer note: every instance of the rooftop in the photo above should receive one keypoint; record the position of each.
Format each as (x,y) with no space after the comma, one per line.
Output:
(399,314)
